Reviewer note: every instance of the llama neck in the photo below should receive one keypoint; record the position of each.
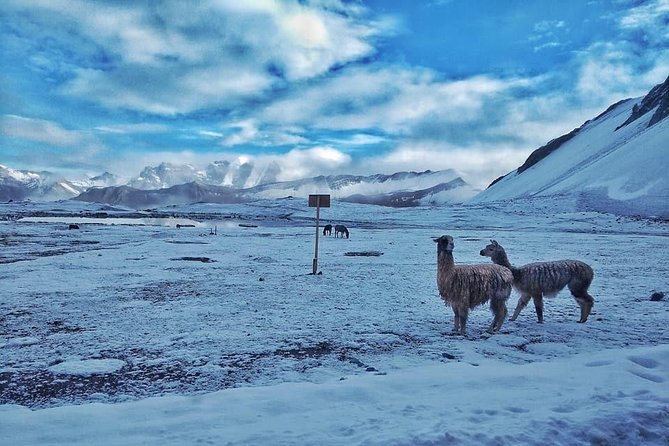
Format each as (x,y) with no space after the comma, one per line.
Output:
(445,262)
(500,258)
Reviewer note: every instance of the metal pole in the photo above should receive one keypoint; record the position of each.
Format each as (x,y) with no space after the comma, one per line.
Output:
(318,216)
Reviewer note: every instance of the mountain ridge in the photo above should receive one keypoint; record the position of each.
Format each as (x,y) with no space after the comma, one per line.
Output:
(387,190)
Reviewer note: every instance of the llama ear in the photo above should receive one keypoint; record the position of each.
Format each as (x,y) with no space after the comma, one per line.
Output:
(494,242)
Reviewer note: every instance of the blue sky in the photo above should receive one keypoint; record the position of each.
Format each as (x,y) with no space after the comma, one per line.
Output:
(315,87)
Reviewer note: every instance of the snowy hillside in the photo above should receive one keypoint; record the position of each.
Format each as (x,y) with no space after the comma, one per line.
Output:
(618,162)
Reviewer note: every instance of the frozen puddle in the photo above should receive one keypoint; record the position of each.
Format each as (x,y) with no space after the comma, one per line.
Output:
(115,221)
(88,367)
(20,342)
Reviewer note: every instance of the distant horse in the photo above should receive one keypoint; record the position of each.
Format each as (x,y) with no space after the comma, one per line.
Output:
(327,230)
(341,229)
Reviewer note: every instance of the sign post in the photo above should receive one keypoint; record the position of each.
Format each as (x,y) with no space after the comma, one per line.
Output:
(318,201)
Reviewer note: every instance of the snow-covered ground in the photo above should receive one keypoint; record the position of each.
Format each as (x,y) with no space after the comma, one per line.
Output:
(149,334)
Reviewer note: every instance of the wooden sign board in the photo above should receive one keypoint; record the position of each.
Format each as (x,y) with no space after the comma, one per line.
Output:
(322,201)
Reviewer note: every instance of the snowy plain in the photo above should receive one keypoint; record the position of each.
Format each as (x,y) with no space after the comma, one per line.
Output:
(148,334)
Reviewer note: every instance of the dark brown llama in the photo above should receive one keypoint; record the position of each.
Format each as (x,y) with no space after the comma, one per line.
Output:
(464,287)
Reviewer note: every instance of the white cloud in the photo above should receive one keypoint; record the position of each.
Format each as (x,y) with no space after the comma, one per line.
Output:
(636,61)
(133,128)
(210,134)
(171,92)
(543,46)
(56,148)
(182,57)
(309,162)
(295,164)
(610,71)
(548,25)
(549,34)
(41,131)
(247,132)
(650,14)
(477,165)
(387,98)
(359,139)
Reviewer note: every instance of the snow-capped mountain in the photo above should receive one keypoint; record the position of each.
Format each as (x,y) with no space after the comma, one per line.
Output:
(193,192)
(228,182)
(400,189)
(104,180)
(239,174)
(46,186)
(616,162)
(22,184)
(342,186)
(166,175)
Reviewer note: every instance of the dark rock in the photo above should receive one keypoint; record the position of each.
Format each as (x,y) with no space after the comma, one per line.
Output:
(657,97)
(657,296)
(196,259)
(363,253)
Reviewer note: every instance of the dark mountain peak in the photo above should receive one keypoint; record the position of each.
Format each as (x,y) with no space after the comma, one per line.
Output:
(657,97)
(103,175)
(105,178)
(545,150)
(554,144)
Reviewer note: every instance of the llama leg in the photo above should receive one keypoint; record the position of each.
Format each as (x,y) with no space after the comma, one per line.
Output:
(505,313)
(456,320)
(580,292)
(463,313)
(522,303)
(498,307)
(539,307)
(586,303)
(463,323)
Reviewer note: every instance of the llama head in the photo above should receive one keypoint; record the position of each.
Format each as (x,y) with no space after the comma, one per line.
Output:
(491,250)
(444,243)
